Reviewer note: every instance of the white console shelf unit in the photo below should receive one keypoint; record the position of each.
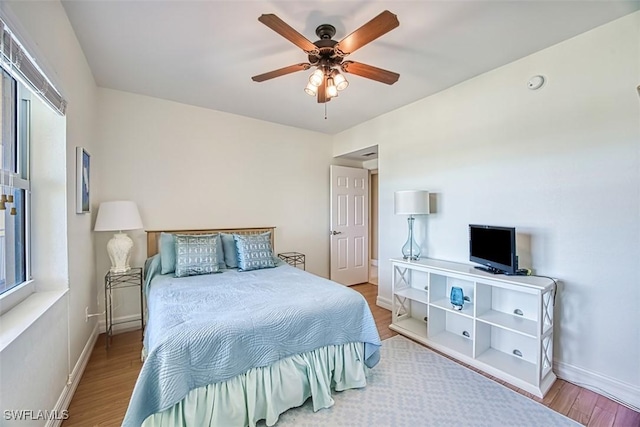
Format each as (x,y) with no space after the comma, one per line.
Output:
(504,329)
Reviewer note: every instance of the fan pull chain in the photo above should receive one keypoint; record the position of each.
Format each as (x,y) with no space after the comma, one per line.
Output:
(325,110)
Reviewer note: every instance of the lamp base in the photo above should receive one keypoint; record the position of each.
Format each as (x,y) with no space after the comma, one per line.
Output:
(119,250)
(411,250)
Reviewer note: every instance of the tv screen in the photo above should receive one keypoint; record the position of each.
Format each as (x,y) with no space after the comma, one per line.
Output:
(494,247)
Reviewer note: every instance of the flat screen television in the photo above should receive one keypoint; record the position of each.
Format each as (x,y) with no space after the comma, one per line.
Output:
(494,247)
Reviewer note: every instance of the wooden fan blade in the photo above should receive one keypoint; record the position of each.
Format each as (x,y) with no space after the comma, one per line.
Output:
(281,72)
(370,31)
(286,31)
(370,72)
(322,92)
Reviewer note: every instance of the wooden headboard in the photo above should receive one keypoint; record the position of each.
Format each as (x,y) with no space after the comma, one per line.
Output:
(153,236)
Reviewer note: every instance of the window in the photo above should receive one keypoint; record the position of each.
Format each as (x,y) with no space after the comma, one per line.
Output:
(20,79)
(14,184)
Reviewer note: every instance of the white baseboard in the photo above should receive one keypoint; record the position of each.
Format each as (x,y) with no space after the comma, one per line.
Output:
(74,379)
(625,394)
(124,324)
(383,302)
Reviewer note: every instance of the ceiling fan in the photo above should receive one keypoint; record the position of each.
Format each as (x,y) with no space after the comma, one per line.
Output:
(328,55)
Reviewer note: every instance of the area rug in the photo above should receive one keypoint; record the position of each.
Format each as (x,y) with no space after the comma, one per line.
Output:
(414,386)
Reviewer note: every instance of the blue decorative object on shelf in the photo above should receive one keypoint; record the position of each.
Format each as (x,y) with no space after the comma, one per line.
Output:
(457,298)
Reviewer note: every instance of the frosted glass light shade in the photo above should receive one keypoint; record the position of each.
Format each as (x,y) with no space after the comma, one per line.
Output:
(311,90)
(411,202)
(317,77)
(332,90)
(340,81)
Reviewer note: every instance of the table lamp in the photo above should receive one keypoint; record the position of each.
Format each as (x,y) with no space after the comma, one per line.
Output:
(411,202)
(118,216)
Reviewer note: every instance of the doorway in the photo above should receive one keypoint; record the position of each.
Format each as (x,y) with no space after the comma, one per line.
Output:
(367,158)
(349,225)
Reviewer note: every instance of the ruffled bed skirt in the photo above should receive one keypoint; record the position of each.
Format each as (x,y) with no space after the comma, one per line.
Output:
(267,392)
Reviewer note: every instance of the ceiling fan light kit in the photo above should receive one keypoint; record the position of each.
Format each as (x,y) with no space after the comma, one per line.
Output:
(311,89)
(316,78)
(332,90)
(340,81)
(327,55)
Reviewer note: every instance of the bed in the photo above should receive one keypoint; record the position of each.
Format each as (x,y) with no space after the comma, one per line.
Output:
(237,345)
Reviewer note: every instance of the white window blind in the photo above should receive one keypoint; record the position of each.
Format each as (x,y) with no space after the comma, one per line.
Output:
(17,61)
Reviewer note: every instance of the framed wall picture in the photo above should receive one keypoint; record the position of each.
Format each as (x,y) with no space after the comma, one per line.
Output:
(83,185)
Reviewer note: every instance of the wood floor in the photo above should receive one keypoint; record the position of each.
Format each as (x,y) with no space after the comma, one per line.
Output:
(103,394)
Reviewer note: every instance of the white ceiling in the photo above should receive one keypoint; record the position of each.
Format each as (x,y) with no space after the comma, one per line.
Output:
(204,53)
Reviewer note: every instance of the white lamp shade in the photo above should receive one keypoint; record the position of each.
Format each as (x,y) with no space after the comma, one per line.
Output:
(118,215)
(411,202)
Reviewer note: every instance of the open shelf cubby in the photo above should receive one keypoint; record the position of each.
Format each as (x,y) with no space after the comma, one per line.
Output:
(504,328)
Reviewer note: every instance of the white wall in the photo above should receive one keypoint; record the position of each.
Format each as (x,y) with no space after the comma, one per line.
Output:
(50,268)
(561,164)
(188,167)
(62,333)
(34,366)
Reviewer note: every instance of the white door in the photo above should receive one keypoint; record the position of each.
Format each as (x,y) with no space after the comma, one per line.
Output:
(349,225)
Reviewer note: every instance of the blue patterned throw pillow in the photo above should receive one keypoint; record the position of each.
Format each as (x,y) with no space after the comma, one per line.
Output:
(196,254)
(254,251)
(168,251)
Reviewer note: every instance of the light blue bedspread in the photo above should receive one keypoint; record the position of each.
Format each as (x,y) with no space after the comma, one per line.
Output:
(205,329)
